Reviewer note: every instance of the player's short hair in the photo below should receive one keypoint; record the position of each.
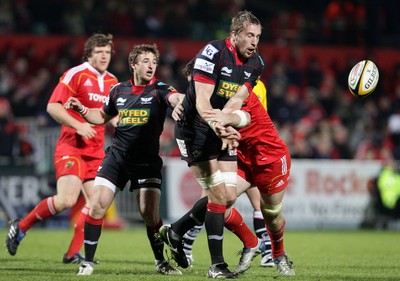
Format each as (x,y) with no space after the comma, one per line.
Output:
(141,49)
(97,40)
(241,18)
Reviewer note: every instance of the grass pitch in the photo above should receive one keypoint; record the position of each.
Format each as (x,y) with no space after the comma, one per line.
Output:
(126,255)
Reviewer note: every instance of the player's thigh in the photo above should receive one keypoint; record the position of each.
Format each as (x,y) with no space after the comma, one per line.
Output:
(272,199)
(101,200)
(205,168)
(254,196)
(92,166)
(88,189)
(69,187)
(242,185)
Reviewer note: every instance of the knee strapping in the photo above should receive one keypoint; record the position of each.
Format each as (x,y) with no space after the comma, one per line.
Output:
(212,180)
(230,178)
(271,210)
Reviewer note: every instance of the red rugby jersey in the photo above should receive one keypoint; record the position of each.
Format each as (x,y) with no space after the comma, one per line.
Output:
(91,88)
(261,131)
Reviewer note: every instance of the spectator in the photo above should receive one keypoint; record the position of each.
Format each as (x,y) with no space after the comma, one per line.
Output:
(8,132)
(374,148)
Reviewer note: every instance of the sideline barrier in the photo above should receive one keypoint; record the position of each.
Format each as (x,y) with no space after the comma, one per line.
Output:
(322,194)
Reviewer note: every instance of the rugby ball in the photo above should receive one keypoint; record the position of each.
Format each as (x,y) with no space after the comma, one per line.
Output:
(363,78)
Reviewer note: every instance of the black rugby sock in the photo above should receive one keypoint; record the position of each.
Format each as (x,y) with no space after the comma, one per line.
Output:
(214,224)
(92,235)
(156,245)
(194,217)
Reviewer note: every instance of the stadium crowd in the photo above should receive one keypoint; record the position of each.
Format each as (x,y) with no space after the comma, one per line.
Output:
(313,110)
(340,22)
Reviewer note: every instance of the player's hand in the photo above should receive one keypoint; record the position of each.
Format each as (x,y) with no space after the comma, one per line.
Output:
(216,115)
(230,144)
(74,104)
(231,133)
(219,130)
(86,130)
(230,138)
(178,111)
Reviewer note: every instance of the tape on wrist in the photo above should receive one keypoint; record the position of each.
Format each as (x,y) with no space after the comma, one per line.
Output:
(84,111)
(243,119)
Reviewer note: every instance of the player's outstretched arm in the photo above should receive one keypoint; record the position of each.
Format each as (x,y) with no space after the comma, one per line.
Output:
(95,116)
(237,118)
(176,103)
(61,115)
(236,101)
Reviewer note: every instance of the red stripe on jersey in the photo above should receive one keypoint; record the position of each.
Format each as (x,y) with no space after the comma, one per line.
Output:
(203,79)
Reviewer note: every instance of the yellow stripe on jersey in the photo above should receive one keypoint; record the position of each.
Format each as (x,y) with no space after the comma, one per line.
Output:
(261,92)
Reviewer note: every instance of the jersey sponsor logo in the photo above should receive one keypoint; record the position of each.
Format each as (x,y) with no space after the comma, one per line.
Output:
(227,89)
(88,83)
(69,164)
(133,117)
(209,51)
(121,101)
(146,100)
(226,71)
(204,65)
(182,147)
(247,75)
(98,97)
(172,89)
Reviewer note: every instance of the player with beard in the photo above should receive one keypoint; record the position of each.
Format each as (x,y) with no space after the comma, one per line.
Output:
(222,69)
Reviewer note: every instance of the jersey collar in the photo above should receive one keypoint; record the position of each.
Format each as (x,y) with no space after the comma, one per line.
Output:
(94,70)
(139,89)
(232,49)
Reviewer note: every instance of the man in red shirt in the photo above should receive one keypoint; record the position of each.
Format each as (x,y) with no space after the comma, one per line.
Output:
(264,160)
(80,147)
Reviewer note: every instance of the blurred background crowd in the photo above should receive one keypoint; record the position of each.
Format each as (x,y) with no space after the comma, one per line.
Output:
(310,104)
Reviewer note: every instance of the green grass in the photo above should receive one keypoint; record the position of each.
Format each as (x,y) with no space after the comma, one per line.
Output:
(126,255)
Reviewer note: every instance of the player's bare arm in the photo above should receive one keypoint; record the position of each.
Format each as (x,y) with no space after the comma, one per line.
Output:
(203,95)
(238,118)
(176,101)
(177,112)
(236,102)
(60,114)
(95,116)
